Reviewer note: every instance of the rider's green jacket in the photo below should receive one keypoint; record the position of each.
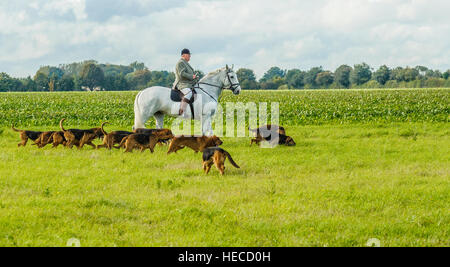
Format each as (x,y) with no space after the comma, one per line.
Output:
(184,75)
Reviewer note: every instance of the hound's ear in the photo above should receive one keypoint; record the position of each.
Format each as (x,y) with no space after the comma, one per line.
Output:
(227,67)
(232,67)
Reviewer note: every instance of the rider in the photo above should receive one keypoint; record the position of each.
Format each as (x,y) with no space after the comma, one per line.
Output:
(185,77)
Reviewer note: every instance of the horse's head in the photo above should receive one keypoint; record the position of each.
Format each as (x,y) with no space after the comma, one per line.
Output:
(231,81)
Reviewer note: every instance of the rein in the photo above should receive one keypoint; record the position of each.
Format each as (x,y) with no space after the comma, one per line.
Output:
(198,87)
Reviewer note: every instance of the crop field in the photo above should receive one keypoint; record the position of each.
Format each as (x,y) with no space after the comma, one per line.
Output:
(369,164)
(308,107)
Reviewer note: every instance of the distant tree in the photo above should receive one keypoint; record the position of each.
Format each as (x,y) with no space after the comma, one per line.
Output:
(120,83)
(272,84)
(397,74)
(109,83)
(7,83)
(116,83)
(51,85)
(324,79)
(74,69)
(278,82)
(273,73)
(77,83)
(138,66)
(164,78)
(410,74)
(170,79)
(434,82)
(249,85)
(158,78)
(28,84)
(446,75)
(51,72)
(246,74)
(422,71)
(92,76)
(113,70)
(247,79)
(41,81)
(342,75)
(138,80)
(382,75)
(47,77)
(294,78)
(310,77)
(433,74)
(284,87)
(66,83)
(360,74)
(269,85)
(405,74)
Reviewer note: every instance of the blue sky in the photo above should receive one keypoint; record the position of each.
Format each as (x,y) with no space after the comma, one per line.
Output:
(256,34)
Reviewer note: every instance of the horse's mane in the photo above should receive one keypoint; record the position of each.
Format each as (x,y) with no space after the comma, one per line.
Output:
(212,73)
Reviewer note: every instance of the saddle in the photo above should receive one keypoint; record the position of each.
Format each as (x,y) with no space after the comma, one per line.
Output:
(176,95)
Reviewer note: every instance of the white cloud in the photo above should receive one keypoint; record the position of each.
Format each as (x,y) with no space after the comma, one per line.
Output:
(256,34)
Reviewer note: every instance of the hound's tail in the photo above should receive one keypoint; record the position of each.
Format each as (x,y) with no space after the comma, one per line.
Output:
(61,125)
(15,130)
(103,130)
(231,160)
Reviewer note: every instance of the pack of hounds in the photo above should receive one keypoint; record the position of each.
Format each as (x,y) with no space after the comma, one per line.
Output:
(144,139)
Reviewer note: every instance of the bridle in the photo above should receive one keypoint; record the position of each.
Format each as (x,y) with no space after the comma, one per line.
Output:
(232,87)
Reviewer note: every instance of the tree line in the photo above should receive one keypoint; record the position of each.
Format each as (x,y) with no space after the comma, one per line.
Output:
(88,76)
(93,76)
(359,76)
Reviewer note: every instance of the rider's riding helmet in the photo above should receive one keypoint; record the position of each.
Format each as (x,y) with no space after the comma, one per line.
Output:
(185,51)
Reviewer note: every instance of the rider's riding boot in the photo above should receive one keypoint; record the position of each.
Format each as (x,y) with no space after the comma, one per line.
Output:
(182,106)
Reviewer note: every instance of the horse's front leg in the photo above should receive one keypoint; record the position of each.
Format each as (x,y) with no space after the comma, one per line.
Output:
(209,110)
(207,125)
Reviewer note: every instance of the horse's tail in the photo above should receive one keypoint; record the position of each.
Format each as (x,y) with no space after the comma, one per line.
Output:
(137,113)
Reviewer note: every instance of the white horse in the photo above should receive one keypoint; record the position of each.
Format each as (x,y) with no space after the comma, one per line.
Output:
(155,101)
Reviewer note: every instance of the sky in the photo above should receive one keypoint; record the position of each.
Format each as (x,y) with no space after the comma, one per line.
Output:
(255,34)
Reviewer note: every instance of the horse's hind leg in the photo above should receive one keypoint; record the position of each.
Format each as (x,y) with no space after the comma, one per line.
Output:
(159,117)
(140,116)
(139,121)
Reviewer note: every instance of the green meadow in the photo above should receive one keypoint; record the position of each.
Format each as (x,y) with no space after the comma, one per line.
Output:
(368,164)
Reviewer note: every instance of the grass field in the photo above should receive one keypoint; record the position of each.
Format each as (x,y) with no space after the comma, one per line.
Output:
(349,179)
